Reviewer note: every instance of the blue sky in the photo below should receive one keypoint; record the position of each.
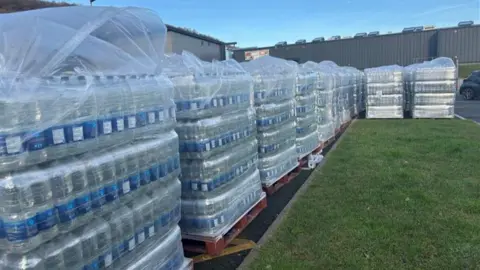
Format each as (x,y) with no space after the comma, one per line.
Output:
(263,23)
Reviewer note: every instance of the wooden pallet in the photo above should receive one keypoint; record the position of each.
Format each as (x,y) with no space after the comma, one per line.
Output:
(215,245)
(282,181)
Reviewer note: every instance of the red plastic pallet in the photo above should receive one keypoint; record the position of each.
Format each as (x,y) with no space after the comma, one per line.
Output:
(285,179)
(215,245)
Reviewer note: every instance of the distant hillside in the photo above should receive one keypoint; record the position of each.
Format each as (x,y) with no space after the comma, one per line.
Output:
(7,6)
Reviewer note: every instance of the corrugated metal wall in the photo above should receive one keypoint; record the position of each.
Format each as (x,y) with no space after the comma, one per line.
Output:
(401,49)
(207,51)
(461,42)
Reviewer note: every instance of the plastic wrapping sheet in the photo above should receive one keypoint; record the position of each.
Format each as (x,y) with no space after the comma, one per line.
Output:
(217,129)
(86,137)
(274,79)
(275,115)
(433,89)
(275,87)
(114,239)
(203,176)
(306,144)
(326,100)
(204,89)
(162,254)
(276,140)
(385,92)
(307,82)
(204,138)
(275,166)
(212,216)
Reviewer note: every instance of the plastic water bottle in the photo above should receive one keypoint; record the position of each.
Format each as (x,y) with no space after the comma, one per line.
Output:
(63,196)
(142,208)
(122,159)
(53,254)
(29,261)
(72,251)
(39,196)
(104,242)
(18,213)
(122,228)
(76,174)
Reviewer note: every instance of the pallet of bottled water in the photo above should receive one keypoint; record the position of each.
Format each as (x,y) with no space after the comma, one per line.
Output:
(306,125)
(274,86)
(218,146)
(433,89)
(89,159)
(385,92)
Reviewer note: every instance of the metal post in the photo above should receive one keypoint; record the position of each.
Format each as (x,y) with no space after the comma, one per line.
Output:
(456,72)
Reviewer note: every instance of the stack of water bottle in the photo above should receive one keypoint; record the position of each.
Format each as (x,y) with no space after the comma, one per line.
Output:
(274,95)
(324,103)
(218,148)
(347,101)
(385,93)
(89,162)
(335,79)
(307,137)
(432,89)
(357,83)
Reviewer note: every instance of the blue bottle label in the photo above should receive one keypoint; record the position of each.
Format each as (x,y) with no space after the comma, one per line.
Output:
(177,162)
(141,119)
(154,173)
(111,192)
(46,219)
(134,181)
(83,204)
(105,127)
(93,265)
(2,230)
(164,219)
(124,187)
(12,144)
(90,130)
(145,177)
(66,212)
(105,260)
(20,231)
(162,170)
(36,141)
(119,250)
(170,165)
(98,198)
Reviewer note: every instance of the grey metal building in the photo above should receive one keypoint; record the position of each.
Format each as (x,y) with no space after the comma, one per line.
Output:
(204,47)
(398,48)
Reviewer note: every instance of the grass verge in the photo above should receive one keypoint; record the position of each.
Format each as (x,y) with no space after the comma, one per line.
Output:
(395,194)
(465,69)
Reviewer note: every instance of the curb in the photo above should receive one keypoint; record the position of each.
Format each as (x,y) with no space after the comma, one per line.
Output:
(252,255)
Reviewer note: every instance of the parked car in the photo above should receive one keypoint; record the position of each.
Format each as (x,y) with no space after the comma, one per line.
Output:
(470,88)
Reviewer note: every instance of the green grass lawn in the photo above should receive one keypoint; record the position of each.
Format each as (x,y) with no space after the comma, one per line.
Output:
(395,194)
(465,69)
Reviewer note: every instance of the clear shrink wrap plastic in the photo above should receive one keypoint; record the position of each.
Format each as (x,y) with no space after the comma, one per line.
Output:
(89,159)
(326,101)
(218,146)
(433,89)
(307,137)
(274,96)
(385,93)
